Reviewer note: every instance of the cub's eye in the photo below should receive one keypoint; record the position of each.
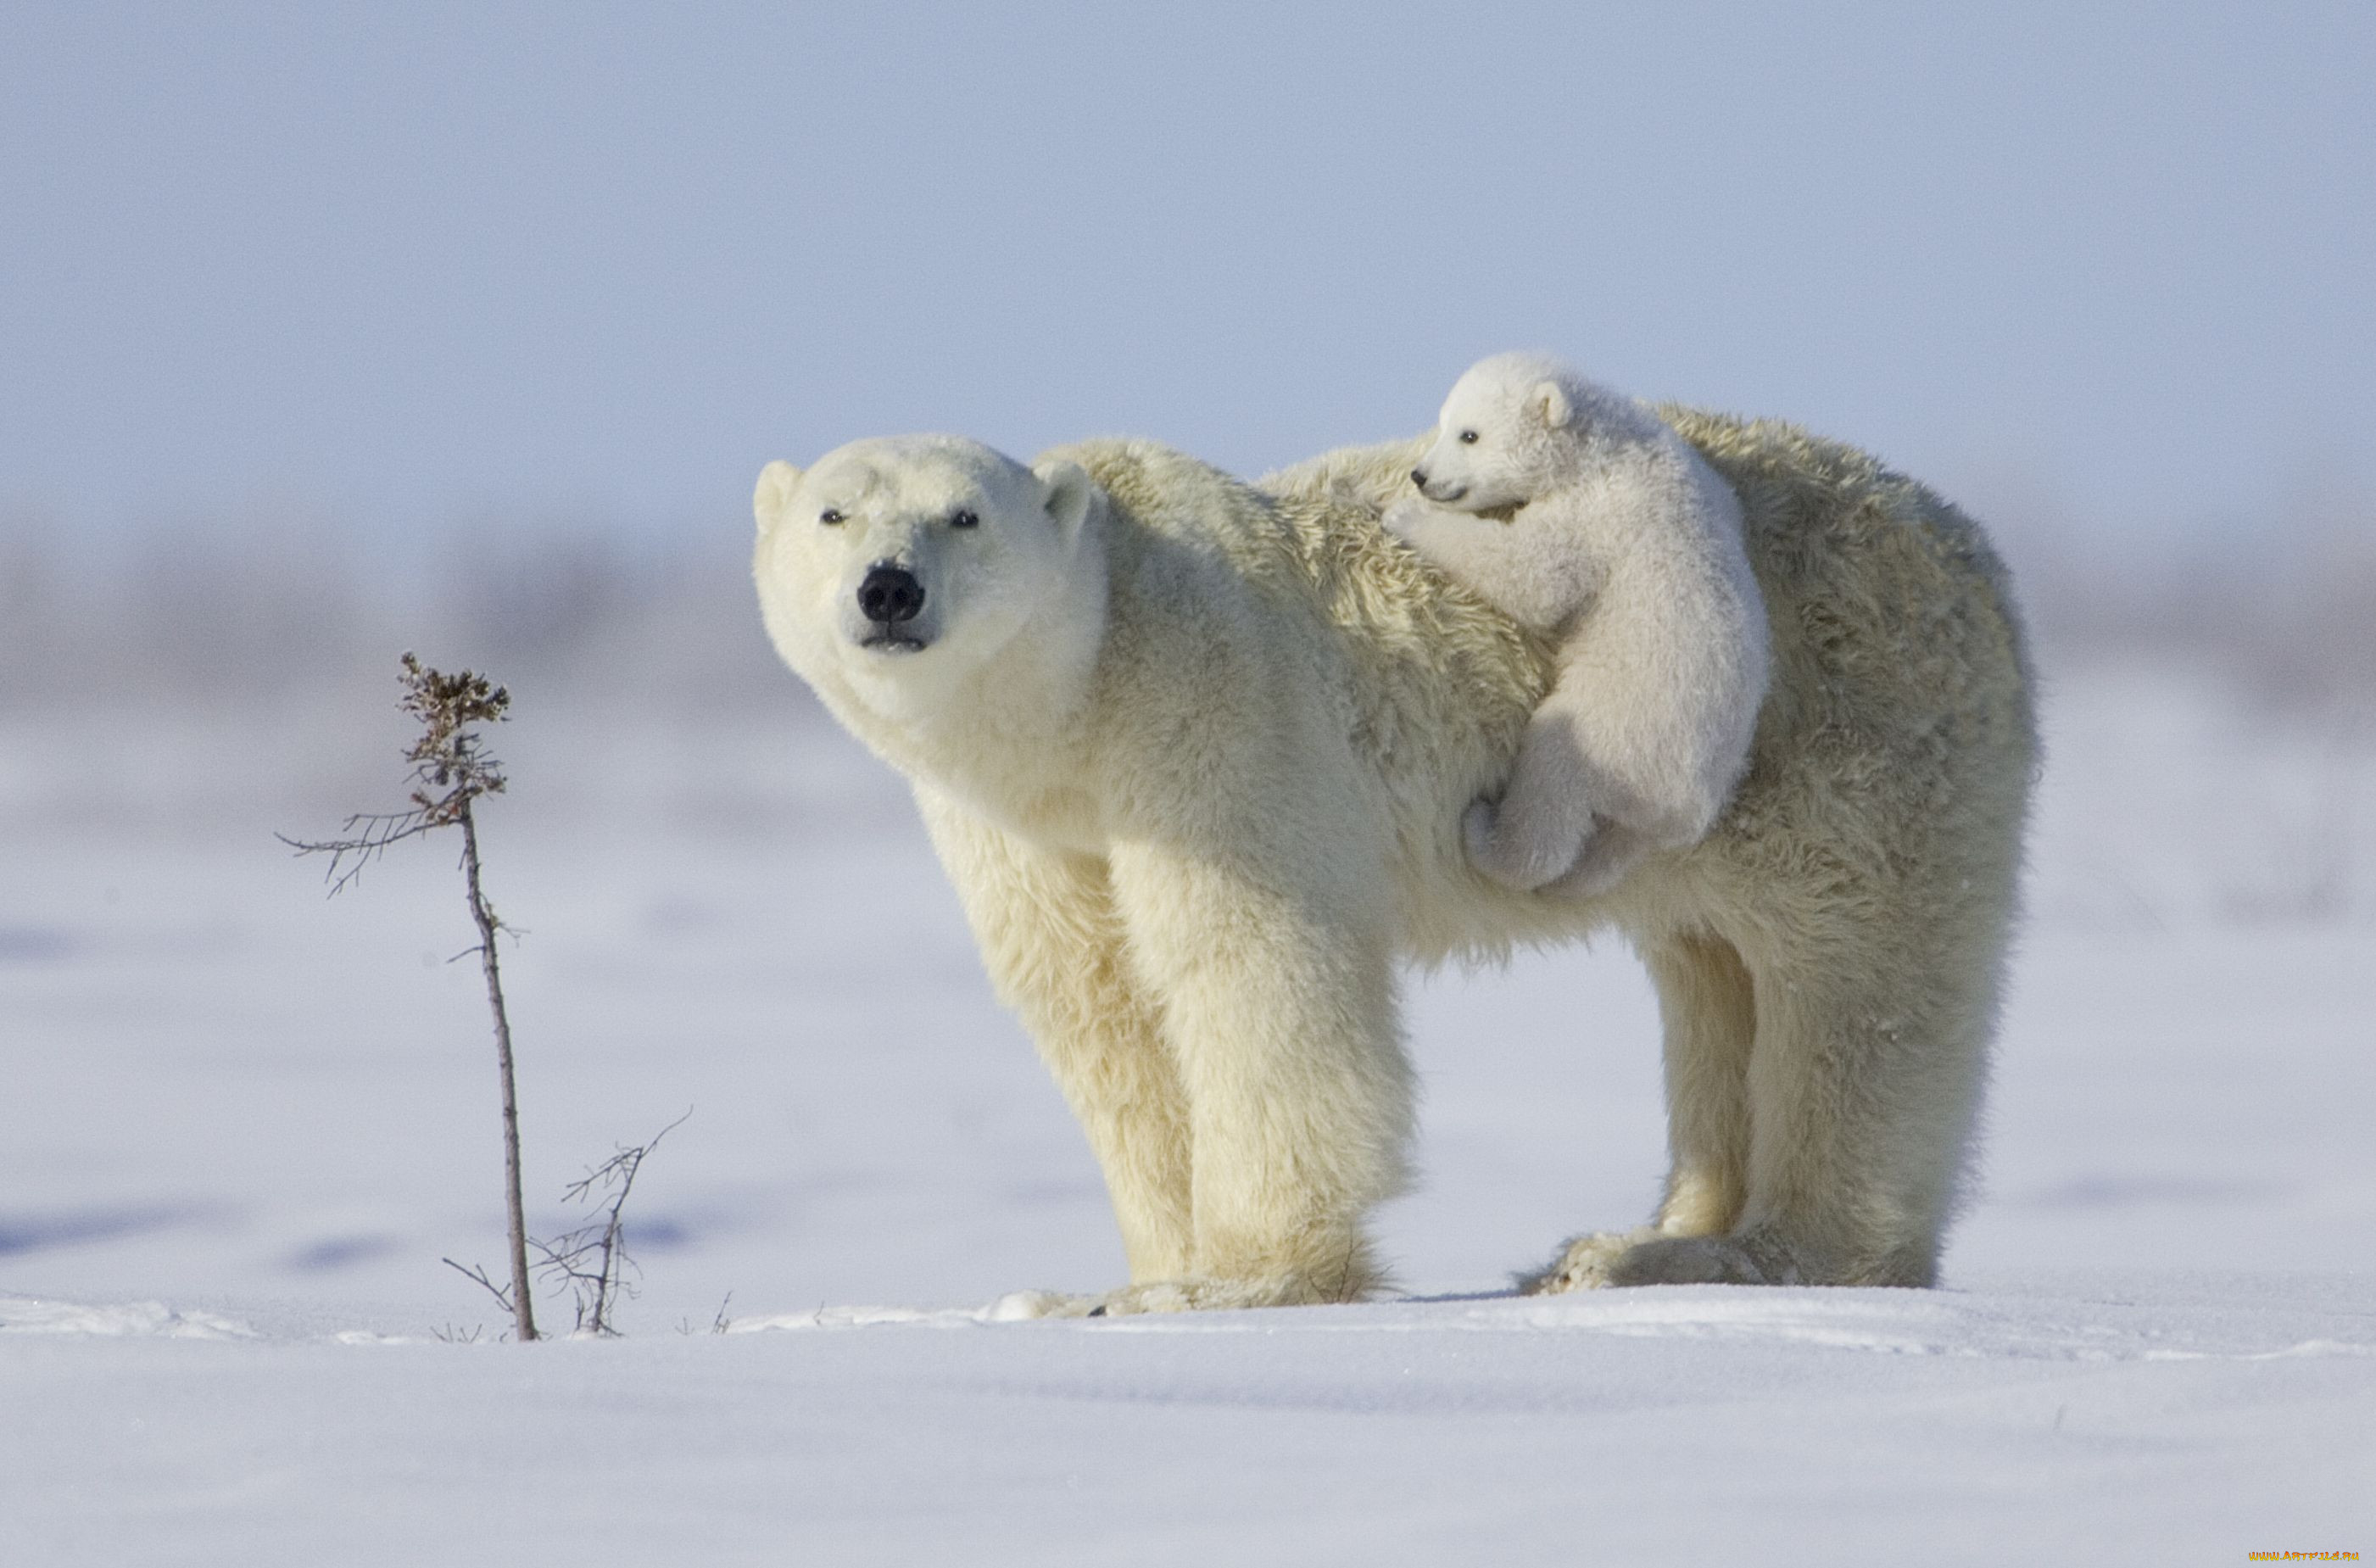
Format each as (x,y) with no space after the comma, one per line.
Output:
(963,519)
(1468,438)
(830,515)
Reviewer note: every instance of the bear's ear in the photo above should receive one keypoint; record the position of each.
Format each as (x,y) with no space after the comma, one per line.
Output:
(776,482)
(1070,489)
(1549,399)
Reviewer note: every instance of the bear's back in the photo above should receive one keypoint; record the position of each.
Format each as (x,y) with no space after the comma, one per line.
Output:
(1897,728)
(1417,655)
(1901,673)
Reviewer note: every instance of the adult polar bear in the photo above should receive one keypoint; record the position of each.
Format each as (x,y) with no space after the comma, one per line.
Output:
(1195,753)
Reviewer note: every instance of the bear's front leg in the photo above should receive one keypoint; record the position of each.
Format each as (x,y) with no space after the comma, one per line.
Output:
(1278,1006)
(1052,942)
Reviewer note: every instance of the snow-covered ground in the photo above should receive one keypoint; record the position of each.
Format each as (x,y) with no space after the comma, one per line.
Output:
(242,1125)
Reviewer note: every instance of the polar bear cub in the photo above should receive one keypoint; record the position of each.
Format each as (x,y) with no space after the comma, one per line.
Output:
(1581,513)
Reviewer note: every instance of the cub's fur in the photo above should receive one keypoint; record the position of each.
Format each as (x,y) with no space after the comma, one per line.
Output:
(1582,513)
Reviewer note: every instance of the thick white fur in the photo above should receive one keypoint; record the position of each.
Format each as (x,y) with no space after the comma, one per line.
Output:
(1195,753)
(1582,513)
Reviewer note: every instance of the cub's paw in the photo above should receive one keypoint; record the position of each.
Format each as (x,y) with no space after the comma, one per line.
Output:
(1404,518)
(1608,856)
(1515,853)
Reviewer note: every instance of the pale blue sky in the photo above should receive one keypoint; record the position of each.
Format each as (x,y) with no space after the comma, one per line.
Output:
(410,263)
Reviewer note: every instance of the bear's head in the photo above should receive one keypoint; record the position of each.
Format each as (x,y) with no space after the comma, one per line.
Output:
(1504,436)
(904,564)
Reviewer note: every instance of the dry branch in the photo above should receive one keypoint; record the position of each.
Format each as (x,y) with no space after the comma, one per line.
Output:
(451,768)
(593,1260)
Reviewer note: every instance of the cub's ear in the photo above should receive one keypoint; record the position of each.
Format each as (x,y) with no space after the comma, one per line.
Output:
(776,482)
(1070,489)
(1549,399)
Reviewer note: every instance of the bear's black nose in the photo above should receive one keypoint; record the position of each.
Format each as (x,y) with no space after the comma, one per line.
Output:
(1419,477)
(890,594)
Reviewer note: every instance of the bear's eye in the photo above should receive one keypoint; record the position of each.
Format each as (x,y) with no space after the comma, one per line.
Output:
(963,519)
(830,515)
(1468,438)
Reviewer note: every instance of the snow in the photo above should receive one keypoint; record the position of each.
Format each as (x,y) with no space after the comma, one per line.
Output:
(242,1125)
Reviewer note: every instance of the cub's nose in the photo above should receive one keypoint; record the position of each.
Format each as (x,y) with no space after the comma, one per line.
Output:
(1419,477)
(890,594)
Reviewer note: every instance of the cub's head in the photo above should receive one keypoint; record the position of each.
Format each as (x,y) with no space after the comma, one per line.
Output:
(909,560)
(1504,435)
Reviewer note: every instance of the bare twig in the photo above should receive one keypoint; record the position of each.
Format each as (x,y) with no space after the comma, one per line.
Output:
(369,835)
(717,1324)
(593,1260)
(478,1272)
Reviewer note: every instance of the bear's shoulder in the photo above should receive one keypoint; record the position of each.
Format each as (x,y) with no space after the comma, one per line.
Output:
(1159,497)
(1159,488)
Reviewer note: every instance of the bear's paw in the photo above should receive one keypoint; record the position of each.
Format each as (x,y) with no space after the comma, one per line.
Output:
(1647,1256)
(1200,1294)
(1583,1263)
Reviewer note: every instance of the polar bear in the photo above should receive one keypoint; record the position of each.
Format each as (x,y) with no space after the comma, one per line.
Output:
(1194,754)
(1583,514)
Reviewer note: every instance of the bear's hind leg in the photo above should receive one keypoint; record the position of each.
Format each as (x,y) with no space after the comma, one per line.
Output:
(1708,1014)
(1863,1083)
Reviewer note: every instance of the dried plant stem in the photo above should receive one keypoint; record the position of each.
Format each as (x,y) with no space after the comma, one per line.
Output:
(451,769)
(593,1260)
(523,1312)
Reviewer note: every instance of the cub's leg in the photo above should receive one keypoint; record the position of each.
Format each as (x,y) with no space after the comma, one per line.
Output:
(1708,1014)
(1278,1004)
(1052,941)
(1530,838)
(1447,539)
